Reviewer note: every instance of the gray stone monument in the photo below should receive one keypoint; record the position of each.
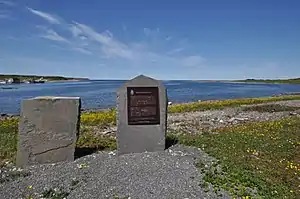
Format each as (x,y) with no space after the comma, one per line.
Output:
(48,130)
(141,116)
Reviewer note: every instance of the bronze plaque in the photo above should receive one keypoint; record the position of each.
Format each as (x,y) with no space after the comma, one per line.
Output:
(143,106)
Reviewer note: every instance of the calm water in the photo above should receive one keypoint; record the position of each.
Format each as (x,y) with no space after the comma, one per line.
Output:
(102,94)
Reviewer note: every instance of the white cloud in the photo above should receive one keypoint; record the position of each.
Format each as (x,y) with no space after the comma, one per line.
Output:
(7,3)
(84,39)
(52,35)
(48,17)
(75,31)
(110,46)
(82,50)
(108,33)
(174,51)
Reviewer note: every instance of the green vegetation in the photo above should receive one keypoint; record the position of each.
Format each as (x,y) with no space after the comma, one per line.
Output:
(221,104)
(108,117)
(55,193)
(89,140)
(255,160)
(90,122)
(13,175)
(272,81)
(271,108)
(102,118)
(50,78)
(262,156)
(8,140)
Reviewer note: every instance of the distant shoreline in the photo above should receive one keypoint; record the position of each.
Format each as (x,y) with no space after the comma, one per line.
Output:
(258,81)
(70,80)
(271,81)
(23,78)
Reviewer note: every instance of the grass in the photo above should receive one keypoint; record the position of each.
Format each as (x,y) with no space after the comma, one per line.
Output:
(8,140)
(221,104)
(272,81)
(88,139)
(271,108)
(55,194)
(103,119)
(258,160)
(264,157)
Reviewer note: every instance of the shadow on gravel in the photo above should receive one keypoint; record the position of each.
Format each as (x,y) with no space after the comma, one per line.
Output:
(84,151)
(170,141)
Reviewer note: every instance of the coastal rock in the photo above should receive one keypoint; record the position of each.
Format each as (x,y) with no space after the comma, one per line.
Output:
(170,103)
(110,131)
(241,119)
(293,113)
(5,116)
(231,120)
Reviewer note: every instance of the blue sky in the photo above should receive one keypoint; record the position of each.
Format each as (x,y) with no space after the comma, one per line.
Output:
(211,39)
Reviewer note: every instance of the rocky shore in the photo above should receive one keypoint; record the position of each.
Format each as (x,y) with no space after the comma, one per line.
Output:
(207,121)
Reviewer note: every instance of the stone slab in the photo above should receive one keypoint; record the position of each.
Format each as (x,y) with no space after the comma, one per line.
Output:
(48,130)
(141,138)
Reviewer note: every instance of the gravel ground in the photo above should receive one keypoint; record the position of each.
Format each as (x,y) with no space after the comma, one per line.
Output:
(168,174)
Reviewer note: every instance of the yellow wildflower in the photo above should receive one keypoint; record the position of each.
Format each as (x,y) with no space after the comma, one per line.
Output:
(82,166)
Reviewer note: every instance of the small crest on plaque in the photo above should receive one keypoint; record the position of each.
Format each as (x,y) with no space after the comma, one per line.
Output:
(131,92)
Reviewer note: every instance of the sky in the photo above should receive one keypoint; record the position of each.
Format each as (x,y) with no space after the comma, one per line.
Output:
(112,39)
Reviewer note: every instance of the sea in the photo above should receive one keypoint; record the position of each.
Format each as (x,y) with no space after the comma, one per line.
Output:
(101,94)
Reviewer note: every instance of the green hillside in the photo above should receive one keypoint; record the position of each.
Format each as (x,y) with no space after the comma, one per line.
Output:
(49,78)
(278,81)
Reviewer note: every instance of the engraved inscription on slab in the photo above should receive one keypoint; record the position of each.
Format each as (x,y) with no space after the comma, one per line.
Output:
(143,106)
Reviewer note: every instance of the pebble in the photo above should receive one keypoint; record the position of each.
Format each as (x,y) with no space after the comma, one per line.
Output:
(231,119)
(134,175)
